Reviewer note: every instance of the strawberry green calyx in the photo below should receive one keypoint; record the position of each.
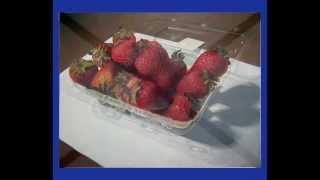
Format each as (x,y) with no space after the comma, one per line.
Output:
(134,85)
(104,87)
(195,103)
(177,56)
(81,66)
(223,52)
(126,87)
(210,81)
(122,34)
(100,55)
(142,44)
(121,78)
(135,94)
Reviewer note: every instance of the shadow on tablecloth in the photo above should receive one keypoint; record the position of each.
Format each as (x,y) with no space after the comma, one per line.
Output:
(214,128)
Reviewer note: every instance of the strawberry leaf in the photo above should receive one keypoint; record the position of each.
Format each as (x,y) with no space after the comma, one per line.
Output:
(81,66)
(122,34)
(143,43)
(100,55)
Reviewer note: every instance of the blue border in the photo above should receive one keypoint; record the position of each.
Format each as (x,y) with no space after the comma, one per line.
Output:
(160,6)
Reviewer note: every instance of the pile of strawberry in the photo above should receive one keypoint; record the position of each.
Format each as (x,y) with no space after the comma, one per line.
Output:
(143,75)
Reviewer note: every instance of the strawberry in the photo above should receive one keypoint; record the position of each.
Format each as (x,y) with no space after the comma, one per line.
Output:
(115,81)
(179,67)
(215,62)
(146,95)
(123,50)
(138,92)
(104,79)
(148,61)
(163,53)
(154,63)
(195,83)
(82,72)
(165,79)
(180,109)
(172,71)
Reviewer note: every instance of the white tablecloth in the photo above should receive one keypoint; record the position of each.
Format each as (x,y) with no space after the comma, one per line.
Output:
(229,130)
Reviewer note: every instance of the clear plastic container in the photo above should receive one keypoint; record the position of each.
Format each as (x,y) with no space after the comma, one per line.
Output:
(171,35)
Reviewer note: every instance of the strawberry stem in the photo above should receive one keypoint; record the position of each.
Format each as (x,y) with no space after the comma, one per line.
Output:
(223,52)
(100,55)
(81,66)
(177,55)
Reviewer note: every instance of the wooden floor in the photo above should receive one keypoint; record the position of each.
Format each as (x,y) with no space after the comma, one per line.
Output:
(80,32)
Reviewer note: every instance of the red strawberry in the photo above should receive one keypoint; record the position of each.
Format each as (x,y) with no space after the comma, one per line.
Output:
(172,72)
(117,82)
(82,72)
(212,61)
(165,79)
(180,109)
(154,63)
(146,95)
(148,62)
(141,93)
(163,53)
(195,83)
(123,50)
(179,67)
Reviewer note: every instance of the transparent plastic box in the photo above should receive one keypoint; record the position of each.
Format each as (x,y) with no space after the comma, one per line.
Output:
(171,35)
